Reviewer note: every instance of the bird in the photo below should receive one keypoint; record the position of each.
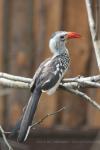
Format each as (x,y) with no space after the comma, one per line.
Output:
(47,78)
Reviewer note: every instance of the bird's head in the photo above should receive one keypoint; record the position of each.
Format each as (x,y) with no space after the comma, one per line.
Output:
(58,40)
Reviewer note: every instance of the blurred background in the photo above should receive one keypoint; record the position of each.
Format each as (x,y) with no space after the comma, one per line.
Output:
(25,29)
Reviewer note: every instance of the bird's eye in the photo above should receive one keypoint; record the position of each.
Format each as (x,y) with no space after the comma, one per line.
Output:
(62,37)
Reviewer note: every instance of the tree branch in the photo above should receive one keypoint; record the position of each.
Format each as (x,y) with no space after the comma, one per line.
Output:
(85,96)
(71,84)
(96,43)
(14,78)
(22,82)
(5,139)
(14,84)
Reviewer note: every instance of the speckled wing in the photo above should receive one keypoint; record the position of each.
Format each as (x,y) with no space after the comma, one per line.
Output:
(52,73)
(38,72)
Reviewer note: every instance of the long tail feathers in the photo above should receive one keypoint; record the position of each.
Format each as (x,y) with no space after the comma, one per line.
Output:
(28,115)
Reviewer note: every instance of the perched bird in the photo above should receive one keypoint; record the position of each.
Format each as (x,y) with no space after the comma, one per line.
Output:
(47,77)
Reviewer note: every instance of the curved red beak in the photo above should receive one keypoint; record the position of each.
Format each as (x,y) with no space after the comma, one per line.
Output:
(71,35)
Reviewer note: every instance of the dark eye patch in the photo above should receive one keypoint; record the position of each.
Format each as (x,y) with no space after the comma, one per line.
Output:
(62,37)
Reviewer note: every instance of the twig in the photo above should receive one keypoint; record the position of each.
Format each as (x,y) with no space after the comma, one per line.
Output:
(81,84)
(96,43)
(89,83)
(48,115)
(45,117)
(86,97)
(5,139)
(82,78)
(83,95)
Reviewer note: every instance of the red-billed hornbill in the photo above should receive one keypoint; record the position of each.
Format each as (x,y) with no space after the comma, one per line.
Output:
(47,77)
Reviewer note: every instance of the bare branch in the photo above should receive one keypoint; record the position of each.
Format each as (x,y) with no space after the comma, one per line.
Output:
(83,95)
(14,78)
(14,84)
(22,82)
(82,78)
(45,117)
(5,139)
(96,43)
(72,84)
(86,97)
(81,84)
(48,115)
